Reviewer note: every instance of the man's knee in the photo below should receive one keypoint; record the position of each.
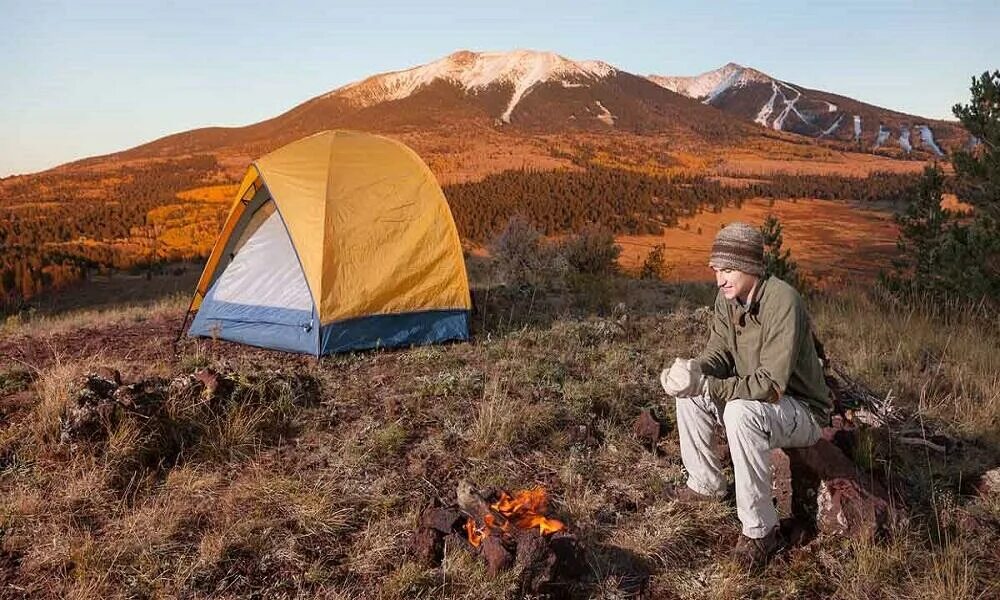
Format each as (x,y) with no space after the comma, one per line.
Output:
(741,415)
(693,406)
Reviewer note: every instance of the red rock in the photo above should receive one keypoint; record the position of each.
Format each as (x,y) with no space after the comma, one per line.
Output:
(846,501)
(648,428)
(209,379)
(427,546)
(444,520)
(498,558)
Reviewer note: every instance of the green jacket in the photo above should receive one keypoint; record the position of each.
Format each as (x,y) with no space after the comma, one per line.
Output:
(759,351)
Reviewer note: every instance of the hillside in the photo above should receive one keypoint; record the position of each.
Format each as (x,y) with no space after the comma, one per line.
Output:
(296,477)
(783,106)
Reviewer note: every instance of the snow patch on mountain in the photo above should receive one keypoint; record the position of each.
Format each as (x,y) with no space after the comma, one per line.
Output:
(709,85)
(904,139)
(833,127)
(927,137)
(605,115)
(883,135)
(768,108)
(779,121)
(475,71)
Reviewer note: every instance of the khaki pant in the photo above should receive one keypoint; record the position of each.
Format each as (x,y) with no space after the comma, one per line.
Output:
(752,429)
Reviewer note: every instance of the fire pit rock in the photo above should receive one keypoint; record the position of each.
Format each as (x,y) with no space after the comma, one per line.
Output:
(505,531)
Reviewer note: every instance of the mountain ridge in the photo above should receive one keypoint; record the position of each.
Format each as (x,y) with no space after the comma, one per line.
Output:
(784,106)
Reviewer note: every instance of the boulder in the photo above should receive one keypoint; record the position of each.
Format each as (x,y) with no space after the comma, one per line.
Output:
(829,489)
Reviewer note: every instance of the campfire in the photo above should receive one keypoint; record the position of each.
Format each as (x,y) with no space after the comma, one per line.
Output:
(524,510)
(504,530)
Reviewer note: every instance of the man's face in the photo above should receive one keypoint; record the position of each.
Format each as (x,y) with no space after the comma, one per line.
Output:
(734,284)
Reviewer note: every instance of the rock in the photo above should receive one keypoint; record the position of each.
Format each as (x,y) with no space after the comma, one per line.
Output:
(648,428)
(427,546)
(537,562)
(210,379)
(498,558)
(128,395)
(94,387)
(587,435)
(569,557)
(109,375)
(989,483)
(531,548)
(828,487)
(443,520)
(88,420)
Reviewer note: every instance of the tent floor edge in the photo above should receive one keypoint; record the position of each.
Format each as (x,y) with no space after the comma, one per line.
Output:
(395,330)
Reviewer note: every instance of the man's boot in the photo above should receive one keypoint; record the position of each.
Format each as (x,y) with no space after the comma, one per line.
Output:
(754,554)
(682,493)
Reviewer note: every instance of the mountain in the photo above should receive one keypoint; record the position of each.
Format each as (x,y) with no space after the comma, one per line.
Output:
(477,73)
(783,106)
(518,93)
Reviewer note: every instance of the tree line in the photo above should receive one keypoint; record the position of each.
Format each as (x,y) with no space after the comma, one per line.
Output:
(55,228)
(558,202)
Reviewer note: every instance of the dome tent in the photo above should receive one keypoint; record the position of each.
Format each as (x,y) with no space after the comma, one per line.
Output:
(341,240)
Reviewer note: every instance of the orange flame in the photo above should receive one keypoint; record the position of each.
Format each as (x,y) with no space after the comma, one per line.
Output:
(524,510)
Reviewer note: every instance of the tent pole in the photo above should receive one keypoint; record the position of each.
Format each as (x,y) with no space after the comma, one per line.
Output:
(180,331)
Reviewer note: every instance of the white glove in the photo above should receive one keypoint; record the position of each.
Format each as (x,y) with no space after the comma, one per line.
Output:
(683,378)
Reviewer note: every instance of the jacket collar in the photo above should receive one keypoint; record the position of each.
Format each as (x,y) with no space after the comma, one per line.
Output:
(752,305)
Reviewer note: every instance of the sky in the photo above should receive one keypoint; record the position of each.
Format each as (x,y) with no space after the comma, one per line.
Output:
(81,78)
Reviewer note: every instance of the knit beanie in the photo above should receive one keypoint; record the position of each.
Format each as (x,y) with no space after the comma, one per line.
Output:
(739,246)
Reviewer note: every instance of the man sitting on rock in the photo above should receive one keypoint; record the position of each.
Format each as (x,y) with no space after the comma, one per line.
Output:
(759,377)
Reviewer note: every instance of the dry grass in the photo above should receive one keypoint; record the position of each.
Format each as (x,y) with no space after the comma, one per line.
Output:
(41,324)
(308,481)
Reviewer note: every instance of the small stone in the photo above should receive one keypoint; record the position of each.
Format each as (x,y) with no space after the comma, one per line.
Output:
(108,374)
(209,379)
(444,520)
(648,428)
(989,483)
(427,546)
(498,558)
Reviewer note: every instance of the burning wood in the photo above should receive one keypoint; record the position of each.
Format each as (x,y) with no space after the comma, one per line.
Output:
(524,510)
(511,530)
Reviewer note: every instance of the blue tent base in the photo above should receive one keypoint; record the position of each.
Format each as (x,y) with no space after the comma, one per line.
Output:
(293,330)
(391,331)
(267,327)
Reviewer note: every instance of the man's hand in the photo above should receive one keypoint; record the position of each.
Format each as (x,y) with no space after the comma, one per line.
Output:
(683,378)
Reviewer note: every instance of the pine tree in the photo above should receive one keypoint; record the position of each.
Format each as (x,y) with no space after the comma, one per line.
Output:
(777,260)
(652,266)
(943,254)
(978,169)
(922,235)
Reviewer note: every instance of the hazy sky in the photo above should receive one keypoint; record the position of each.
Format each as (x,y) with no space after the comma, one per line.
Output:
(79,78)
